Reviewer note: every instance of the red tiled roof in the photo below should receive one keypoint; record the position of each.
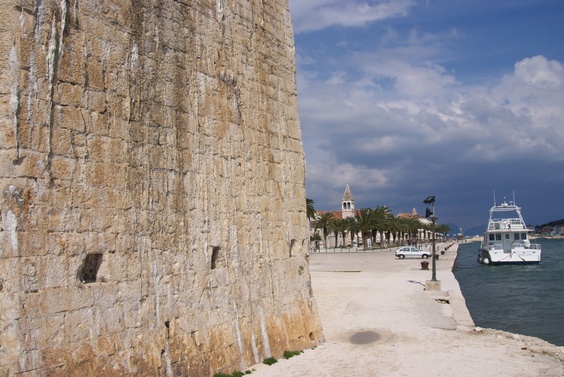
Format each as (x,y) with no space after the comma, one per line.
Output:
(338,214)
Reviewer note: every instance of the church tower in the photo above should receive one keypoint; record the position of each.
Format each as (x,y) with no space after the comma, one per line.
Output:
(347,210)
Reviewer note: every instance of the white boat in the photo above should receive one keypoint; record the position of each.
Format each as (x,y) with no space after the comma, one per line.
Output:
(506,239)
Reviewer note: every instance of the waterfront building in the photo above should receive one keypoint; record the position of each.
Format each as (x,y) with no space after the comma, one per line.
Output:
(348,211)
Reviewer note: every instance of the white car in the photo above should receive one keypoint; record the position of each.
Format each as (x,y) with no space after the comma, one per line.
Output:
(412,251)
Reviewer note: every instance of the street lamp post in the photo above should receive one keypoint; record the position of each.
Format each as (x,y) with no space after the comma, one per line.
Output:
(431,213)
(434,261)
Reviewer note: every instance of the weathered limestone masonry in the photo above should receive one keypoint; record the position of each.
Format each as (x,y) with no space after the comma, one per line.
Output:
(152,174)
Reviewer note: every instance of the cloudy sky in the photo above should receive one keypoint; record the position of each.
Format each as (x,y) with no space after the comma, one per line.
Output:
(402,99)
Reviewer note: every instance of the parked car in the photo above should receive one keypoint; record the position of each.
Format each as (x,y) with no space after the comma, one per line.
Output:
(412,251)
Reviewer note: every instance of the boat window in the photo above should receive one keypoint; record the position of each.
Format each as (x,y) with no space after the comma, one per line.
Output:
(492,237)
(507,236)
(498,237)
(523,236)
(516,235)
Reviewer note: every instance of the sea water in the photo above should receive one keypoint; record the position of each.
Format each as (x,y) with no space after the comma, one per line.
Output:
(522,299)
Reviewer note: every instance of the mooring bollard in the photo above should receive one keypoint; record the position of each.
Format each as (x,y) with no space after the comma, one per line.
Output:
(424,265)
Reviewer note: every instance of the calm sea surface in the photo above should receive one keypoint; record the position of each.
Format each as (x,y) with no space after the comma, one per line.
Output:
(525,299)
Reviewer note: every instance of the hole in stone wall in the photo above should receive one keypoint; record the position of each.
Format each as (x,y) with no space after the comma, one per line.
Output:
(216,257)
(292,243)
(167,325)
(90,268)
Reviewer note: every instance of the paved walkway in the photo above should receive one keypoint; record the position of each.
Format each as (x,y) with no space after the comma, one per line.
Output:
(379,320)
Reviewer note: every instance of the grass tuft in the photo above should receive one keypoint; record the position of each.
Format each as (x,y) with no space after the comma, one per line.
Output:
(269,361)
(234,374)
(289,354)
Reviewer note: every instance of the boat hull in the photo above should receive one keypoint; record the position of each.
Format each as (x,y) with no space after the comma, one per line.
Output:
(513,257)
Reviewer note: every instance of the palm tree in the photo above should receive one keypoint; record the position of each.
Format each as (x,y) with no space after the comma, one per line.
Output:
(339,226)
(315,238)
(395,228)
(443,229)
(427,231)
(352,227)
(364,220)
(380,219)
(323,222)
(333,225)
(412,227)
(311,213)
(310,210)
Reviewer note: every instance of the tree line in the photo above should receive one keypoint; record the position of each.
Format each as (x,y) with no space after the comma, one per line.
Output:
(539,227)
(369,223)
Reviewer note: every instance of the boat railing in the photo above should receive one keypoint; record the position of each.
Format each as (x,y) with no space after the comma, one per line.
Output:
(495,246)
(499,224)
(525,245)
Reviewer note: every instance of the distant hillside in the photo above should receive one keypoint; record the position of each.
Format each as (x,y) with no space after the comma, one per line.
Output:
(454,229)
(477,230)
(551,224)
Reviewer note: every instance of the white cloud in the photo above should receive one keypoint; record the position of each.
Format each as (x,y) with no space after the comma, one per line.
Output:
(535,89)
(426,101)
(337,78)
(540,73)
(310,15)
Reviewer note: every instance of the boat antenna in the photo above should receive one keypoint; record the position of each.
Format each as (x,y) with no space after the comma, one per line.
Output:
(514,202)
(494,197)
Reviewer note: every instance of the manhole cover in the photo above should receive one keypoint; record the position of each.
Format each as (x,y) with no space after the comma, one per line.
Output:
(364,337)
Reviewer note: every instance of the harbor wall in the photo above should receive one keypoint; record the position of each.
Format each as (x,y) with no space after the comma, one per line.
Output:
(450,285)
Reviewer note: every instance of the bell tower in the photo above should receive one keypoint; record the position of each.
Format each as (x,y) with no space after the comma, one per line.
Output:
(347,209)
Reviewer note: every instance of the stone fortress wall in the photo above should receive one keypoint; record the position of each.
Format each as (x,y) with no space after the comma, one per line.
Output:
(153,199)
